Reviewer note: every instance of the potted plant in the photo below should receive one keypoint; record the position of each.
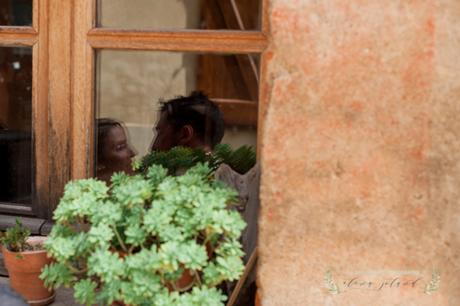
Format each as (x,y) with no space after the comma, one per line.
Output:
(236,169)
(24,258)
(150,239)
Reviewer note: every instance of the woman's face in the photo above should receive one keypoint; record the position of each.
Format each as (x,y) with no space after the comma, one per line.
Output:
(116,153)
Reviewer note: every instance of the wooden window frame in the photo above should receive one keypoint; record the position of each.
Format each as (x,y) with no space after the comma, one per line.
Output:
(65,39)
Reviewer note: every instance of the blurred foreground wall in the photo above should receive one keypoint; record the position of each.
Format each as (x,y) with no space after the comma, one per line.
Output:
(360,153)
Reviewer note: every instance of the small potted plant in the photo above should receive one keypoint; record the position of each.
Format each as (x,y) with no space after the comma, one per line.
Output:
(24,258)
(150,239)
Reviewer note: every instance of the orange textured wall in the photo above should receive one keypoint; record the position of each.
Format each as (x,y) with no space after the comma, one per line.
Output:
(361,176)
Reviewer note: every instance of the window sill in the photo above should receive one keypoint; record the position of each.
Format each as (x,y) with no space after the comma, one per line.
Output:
(33,224)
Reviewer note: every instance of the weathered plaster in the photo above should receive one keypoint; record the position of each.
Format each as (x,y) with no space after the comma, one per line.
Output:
(361,173)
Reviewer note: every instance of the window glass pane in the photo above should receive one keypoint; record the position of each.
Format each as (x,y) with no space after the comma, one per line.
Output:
(185,14)
(129,86)
(131,83)
(16,125)
(16,12)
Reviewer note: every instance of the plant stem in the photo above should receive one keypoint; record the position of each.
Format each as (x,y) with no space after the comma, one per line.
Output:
(123,246)
(197,277)
(173,284)
(75,270)
(130,251)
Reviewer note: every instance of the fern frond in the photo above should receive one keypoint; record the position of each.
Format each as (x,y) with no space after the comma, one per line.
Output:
(181,158)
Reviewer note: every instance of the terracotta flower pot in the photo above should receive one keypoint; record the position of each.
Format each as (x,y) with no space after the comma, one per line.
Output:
(185,281)
(24,269)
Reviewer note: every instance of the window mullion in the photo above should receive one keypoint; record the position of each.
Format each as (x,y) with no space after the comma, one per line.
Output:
(82,91)
(59,99)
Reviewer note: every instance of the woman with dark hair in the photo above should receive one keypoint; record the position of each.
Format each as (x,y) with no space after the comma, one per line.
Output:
(114,153)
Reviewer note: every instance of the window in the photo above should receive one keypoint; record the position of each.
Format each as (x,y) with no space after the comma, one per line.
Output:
(16,126)
(129,85)
(57,59)
(18,38)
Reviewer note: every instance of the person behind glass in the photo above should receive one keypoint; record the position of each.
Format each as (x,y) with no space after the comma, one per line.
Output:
(114,153)
(192,121)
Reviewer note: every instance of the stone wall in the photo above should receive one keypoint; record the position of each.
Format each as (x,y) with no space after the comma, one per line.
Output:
(361,177)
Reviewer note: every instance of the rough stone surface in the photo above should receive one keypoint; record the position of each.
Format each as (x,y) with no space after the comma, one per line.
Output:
(360,166)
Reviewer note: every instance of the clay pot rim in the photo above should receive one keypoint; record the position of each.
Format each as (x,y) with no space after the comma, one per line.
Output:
(33,240)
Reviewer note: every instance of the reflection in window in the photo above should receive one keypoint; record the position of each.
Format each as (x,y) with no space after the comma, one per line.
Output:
(15,125)
(16,12)
(185,14)
(131,83)
(129,87)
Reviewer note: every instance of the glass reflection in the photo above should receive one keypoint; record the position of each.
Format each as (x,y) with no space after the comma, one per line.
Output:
(15,125)
(16,12)
(131,84)
(185,14)
(153,103)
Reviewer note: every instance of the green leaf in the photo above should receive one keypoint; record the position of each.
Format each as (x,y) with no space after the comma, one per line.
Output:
(165,299)
(110,292)
(226,222)
(202,297)
(107,212)
(105,264)
(80,199)
(142,288)
(168,253)
(100,235)
(56,275)
(192,255)
(159,216)
(223,268)
(231,267)
(61,248)
(15,237)
(156,174)
(241,160)
(146,260)
(85,292)
(135,234)
(134,191)
(230,248)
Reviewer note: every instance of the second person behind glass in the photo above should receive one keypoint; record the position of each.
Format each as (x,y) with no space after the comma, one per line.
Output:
(114,153)
(191,121)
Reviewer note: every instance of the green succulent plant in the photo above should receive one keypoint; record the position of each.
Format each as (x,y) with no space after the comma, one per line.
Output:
(178,158)
(15,238)
(134,240)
